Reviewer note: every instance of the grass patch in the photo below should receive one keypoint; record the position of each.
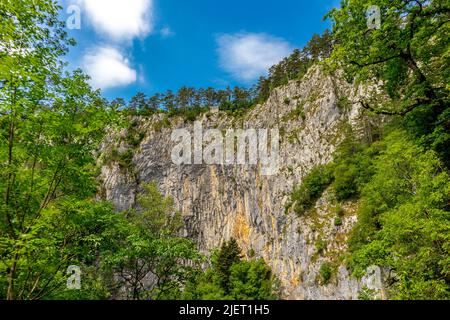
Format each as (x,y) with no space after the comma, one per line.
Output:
(297,113)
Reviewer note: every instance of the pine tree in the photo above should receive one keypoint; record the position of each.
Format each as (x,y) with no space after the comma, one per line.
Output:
(229,254)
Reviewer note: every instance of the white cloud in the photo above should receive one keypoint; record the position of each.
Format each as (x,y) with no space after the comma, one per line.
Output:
(120,19)
(166,32)
(108,68)
(247,56)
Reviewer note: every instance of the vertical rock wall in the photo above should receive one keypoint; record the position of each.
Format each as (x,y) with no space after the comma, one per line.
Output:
(219,202)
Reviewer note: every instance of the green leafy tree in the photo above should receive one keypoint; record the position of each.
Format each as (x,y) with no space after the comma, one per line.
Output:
(407,56)
(232,278)
(404,221)
(352,167)
(51,123)
(408,53)
(72,232)
(252,280)
(150,258)
(204,285)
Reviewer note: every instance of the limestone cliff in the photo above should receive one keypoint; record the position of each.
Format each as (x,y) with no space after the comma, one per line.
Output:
(219,202)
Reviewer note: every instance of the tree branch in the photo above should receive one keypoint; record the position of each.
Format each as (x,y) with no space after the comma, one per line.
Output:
(375,62)
(402,113)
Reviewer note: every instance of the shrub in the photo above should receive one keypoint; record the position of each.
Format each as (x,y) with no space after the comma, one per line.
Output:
(366,294)
(125,159)
(321,246)
(298,112)
(353,167)
(311,189)
(135,138)
(325,273)
(343,103)
(338,221)
(163,123)
(344,184)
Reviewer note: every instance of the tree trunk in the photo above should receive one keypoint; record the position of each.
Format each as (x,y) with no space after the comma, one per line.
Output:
(11,276)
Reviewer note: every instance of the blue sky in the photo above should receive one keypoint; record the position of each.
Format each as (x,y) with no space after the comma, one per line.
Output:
(128,46)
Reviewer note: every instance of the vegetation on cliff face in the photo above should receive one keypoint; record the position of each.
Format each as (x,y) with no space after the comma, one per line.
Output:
(403,192)
(52,122)
(404,219)
(401,180)
(312,187)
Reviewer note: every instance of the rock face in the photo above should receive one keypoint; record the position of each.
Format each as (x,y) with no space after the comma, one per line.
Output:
(223,201)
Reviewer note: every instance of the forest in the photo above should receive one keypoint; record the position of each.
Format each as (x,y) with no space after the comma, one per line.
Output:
(189,102)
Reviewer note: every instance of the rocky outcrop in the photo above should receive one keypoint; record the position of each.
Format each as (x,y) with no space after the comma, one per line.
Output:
(223,201)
